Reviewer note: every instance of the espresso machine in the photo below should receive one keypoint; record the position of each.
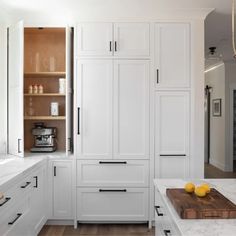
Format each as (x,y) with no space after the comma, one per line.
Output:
(44,138)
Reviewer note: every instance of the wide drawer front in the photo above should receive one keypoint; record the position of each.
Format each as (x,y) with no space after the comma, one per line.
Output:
(112,173)
(112,204)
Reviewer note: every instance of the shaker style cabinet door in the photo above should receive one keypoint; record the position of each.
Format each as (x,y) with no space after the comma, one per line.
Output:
(172,123)
(131,39)
(131,109)
(94,112)
(172,55)
(95,39)
(15,90)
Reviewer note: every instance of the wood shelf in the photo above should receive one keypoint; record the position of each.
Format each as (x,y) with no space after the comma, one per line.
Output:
(44,118)
(44,95)
(59,74)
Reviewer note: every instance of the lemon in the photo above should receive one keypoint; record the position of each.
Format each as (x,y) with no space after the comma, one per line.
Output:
(189,187)
(206,187)
(200,191)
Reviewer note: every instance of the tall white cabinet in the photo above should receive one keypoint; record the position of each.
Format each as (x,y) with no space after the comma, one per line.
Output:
(172,93)
(113,122)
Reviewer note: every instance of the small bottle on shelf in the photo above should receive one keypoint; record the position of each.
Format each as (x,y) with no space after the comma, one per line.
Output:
(30,89)
(40,89)
(35,89)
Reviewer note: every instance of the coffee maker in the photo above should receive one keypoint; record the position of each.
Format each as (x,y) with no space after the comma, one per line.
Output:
(44,138)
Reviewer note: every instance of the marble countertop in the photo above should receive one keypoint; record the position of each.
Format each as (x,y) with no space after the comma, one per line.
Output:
(12,167)
(216,227)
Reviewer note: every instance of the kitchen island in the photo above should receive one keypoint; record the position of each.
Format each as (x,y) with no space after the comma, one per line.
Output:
(168,222)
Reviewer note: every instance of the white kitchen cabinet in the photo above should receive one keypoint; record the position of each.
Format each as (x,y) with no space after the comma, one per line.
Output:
(62,190)
(129,173)
(30,64)
(131,39)
(112,204)
(95,85)
(95,39)
(131,109)
(15,90)
(172,133)
(113,39)
(172,55)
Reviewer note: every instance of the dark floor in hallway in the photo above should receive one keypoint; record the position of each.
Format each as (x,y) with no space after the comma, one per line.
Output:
(211,172)
(98,229)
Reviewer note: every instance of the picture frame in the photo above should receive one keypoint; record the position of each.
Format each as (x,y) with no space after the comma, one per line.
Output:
(216,107)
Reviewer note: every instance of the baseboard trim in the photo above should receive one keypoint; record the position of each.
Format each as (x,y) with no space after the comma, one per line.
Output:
(60,222)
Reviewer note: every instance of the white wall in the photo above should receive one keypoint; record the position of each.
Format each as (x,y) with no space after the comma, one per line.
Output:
(3,89)
(216,79)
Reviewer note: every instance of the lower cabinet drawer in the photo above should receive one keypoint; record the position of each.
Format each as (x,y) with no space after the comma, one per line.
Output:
(112,204)
(130,173)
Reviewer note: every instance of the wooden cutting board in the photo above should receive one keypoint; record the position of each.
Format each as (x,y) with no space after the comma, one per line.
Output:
(212,206)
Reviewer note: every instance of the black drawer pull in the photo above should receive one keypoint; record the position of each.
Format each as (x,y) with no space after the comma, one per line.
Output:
(112,162)
(55,171)
(110,46)
(112,190)
(115,46)
(17,217)
(157,76)
(36,181)
(166,232)
(78,111)
(5,201)
(172,155)
(158,213)
(24,186)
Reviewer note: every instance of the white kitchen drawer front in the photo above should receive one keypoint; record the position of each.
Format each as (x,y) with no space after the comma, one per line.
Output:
(112,204)
(113,173)
(131,39)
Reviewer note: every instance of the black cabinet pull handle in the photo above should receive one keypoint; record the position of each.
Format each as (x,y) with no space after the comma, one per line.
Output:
(5,201)
(110,46)
(26,184)
(172,155)
(166,232)
(78,120)
(157,76)
(158,213)
(112,162)
(115,46)
(112,190)
(19,150)
(17,217)
(69,145)
(36,181)
(55,171)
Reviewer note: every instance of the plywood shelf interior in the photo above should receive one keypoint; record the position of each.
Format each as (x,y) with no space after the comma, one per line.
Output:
(44,95)
(44,117)
(59,74)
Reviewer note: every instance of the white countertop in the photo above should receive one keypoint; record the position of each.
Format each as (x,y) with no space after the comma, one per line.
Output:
(11,167)
(211,227)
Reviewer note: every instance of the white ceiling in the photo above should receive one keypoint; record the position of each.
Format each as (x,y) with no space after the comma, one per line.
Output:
(218,23)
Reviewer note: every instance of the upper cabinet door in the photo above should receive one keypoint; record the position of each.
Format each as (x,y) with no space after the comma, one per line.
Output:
(94,111)
(15,90)
(131,39)
(131,109)
(172,55)
(95,39)
(172,123)
(69,74)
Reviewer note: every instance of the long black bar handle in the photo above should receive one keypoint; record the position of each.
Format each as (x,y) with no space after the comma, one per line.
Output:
(157,76)
(112,162)
(112,190)
(17,217)
(26,184)
(5,201)
(172,155)
(55,171)
(158,213)
(19,149)
(78,120)
(110,45)
(36,181)
(115,46)
(167,232)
